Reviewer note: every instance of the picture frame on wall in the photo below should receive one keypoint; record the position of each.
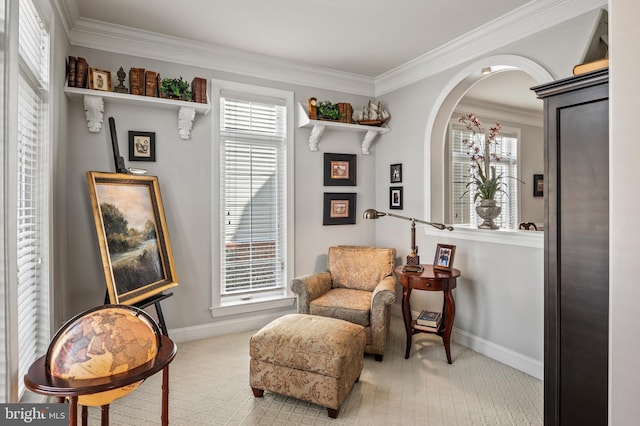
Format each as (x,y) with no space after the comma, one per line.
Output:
(395,173)
(99,79)
(142,146)
(443,260)
(132,234)
(339,208)
(339,169)
(395,198)
(538,185)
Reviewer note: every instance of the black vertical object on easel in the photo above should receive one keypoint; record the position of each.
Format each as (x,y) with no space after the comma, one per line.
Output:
(117,158)
(155,299)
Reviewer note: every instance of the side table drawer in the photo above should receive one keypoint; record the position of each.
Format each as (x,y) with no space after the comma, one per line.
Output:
(427,284)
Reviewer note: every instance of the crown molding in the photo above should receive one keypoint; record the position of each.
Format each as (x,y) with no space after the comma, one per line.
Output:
(129,41)
(522,22)
(529,19)
(495,111)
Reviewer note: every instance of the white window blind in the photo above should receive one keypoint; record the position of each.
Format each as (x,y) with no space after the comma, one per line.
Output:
(462,206)
(253,135)
(32,208)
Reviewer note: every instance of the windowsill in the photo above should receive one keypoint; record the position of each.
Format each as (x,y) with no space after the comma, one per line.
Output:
(534,239)
(257,304)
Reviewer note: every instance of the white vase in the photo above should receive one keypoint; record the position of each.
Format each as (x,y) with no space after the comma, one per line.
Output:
(488,210)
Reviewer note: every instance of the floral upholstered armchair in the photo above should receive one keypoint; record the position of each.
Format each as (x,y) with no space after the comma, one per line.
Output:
(358,287)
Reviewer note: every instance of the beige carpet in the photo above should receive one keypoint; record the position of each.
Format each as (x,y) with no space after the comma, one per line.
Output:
(209,385)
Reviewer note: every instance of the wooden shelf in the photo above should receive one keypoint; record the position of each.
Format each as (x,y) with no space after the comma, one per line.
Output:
(319,126)
(93,101)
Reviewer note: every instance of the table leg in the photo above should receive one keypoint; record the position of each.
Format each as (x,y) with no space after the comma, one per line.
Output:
(165,396)
(450,312)
(406,314)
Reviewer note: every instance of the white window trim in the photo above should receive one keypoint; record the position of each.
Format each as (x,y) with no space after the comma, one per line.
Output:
(256,302)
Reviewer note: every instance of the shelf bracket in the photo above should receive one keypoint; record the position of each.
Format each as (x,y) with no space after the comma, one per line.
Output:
(185,122)
(368,140)
(93,112)
(316,133)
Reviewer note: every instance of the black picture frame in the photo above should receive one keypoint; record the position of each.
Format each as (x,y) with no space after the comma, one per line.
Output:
(395,198)
(443,260)
(538,185)
(395,173)
(340,169)
(339,208)
(142,146)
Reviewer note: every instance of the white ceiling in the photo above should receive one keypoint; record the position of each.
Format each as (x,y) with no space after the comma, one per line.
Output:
(367,38)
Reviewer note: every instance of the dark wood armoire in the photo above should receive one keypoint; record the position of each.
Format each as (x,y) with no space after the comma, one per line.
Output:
(576,191)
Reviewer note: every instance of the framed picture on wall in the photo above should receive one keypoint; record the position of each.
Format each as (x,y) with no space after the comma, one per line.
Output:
(339,169)
(395,197)
(538,185)
(142,146)
(132,235)
(395,173)
(339,208)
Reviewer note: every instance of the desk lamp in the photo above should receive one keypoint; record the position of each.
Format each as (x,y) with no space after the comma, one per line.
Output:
(412,258)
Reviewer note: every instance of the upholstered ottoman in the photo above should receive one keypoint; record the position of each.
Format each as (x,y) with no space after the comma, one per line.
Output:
(309,357)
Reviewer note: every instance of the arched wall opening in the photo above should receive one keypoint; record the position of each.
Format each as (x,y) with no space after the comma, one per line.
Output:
(445,104)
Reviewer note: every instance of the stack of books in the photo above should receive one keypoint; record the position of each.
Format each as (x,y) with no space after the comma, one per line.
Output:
(429,320)
(77,70)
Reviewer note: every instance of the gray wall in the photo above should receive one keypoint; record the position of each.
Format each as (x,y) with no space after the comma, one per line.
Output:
(184,171)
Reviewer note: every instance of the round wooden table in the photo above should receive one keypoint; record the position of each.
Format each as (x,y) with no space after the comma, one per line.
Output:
(429,280)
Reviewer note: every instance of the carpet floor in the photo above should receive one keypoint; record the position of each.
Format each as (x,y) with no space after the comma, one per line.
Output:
(209,385)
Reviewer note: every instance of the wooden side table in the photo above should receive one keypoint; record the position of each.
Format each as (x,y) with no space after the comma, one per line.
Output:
(429,280)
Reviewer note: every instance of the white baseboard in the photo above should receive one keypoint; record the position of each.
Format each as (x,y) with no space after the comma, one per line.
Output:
(219,328)
(489,349)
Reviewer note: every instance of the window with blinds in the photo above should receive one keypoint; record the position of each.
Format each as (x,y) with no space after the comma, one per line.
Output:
(461,205)
(253,199)
(28,324)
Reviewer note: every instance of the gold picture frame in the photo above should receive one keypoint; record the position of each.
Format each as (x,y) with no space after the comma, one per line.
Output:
(99,79)
(132,234)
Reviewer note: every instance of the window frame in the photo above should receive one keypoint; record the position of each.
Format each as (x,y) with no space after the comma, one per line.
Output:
(506,131)
(223,306)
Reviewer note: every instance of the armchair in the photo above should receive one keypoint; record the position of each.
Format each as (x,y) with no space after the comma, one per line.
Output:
(358,287)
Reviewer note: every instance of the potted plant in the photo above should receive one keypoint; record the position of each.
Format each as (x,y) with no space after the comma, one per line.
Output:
(329,111)
(175,88)
(484,182)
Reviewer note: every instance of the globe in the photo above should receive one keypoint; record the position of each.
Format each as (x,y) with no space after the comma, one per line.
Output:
(103,343)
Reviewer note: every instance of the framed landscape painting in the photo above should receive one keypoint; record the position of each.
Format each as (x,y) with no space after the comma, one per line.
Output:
(132,234)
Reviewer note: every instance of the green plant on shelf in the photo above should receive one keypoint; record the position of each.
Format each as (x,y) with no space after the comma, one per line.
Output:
(329,110)
(176,88)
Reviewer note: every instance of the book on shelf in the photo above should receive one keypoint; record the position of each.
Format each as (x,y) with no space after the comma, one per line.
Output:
(425,328)
(136,81)
(150,83)
(429,318)
(71,71)
(82,69)
(590,66)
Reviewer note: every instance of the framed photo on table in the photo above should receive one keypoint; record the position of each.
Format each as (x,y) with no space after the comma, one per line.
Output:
(142,146)
(132,235)
(99,79)
(443,259)
(339,169)
(339,208)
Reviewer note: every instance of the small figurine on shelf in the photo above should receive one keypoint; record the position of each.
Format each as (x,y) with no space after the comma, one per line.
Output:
(121,88)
